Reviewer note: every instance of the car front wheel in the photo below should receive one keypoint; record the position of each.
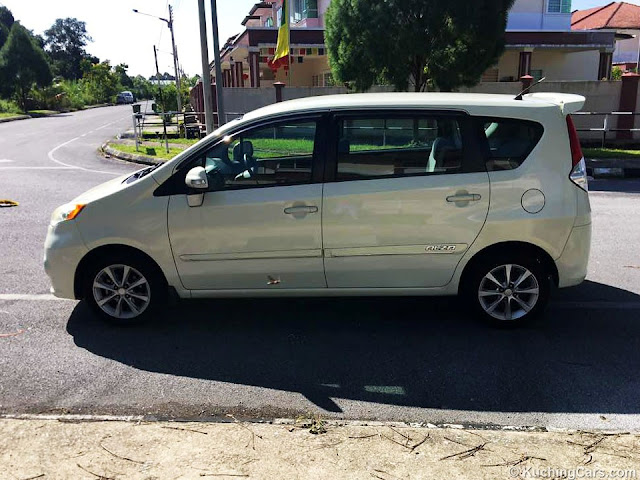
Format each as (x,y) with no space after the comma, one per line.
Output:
(124,291)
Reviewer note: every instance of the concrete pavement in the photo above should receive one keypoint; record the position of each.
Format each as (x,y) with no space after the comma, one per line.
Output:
(407,359)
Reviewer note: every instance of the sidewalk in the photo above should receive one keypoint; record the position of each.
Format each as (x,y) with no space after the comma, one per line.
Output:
(53,449)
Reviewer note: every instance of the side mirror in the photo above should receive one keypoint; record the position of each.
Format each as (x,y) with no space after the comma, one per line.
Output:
(197,179)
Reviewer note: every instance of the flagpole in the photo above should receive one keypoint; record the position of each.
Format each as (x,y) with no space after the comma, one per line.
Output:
(290,48)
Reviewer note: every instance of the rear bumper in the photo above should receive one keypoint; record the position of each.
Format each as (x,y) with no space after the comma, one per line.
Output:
(572,264)
(63,250)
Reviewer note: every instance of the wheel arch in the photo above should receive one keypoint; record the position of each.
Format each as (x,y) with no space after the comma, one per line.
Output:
(507,248)
(106,251)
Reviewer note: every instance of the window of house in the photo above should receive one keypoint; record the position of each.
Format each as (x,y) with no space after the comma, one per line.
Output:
(302,9)
(398,146)
(510,141)
(559,6)
(310,9)
(278,154)
(296,10)
(268,22)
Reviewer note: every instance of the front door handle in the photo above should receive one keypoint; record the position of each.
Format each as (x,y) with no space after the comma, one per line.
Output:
(301,210)
(464,197)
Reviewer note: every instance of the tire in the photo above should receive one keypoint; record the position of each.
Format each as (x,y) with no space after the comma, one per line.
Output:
(124,289)
(508,292)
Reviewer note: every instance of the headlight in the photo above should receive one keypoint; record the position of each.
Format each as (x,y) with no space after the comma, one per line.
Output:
(66,212)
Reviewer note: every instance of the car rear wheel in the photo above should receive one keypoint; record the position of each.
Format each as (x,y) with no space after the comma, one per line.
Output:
(124,290)
(510,292)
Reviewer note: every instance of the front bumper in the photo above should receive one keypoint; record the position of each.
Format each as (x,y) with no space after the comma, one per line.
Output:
(572,264)
(63,250)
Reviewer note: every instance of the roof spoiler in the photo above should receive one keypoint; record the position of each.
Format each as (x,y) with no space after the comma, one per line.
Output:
(567,102)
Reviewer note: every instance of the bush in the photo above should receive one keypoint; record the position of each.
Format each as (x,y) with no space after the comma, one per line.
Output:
(8,106)
(616,73)
(169,97)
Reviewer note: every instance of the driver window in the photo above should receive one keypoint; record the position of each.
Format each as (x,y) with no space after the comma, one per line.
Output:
(278,154)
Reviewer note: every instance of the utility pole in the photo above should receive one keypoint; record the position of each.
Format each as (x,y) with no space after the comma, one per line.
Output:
(164,122)
(175,59)
(206,73)
(175,50)
(222,119)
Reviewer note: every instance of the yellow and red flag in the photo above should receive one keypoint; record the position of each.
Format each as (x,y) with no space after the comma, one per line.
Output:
(281,56)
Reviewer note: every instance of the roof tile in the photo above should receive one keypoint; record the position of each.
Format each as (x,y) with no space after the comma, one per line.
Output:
(613,15)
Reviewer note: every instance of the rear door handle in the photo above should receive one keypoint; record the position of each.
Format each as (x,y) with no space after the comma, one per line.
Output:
(466,197)
(302,209)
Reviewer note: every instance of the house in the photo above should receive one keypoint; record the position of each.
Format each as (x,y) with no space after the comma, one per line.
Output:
(541,43)
(539,38)
(620,17)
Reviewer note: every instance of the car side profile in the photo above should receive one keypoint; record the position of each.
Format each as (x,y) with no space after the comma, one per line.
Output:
(483,196)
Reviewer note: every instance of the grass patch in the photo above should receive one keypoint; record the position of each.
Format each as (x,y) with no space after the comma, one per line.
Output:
(155,150)
(9,115)
(610,153)
(184,141)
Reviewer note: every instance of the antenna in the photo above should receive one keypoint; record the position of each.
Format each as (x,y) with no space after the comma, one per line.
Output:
(519,96)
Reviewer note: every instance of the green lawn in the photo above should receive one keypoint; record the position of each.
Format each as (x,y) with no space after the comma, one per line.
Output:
(184,141)
(154,150)
(262,147)
(8,115)
(610,153)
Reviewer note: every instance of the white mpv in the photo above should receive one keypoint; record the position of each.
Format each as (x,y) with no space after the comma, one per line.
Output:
(367,194)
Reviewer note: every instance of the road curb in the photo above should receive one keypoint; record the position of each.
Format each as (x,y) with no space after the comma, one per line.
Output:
(129,157)
(12,119)
(613,167)
(88,418)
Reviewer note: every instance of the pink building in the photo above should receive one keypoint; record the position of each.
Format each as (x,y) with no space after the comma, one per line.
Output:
(539,38)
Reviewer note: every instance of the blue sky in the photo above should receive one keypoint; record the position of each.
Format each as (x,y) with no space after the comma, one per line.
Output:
(123,36)
(583,4)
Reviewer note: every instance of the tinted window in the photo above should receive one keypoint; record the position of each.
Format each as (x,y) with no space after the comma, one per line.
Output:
(397,147)
(510,141)
(278,154)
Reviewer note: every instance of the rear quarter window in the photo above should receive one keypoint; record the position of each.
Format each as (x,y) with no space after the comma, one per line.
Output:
(508,142)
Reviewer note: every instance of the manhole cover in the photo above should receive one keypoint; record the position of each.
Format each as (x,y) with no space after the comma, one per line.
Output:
(8,203)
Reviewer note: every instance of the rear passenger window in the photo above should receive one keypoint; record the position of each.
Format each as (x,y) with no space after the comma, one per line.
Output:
(398,147)
(510,141)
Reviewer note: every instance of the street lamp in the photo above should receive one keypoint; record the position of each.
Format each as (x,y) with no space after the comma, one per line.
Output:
(169,23)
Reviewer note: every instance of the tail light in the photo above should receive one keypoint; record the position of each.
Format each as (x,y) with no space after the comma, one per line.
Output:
(578,173)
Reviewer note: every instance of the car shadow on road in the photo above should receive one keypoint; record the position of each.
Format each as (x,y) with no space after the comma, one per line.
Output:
(419,352)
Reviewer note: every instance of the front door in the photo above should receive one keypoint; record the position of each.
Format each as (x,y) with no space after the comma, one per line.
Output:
(259,225)
(407,198)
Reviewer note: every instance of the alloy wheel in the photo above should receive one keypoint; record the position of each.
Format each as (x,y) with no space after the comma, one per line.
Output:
(121,291)
(508,292)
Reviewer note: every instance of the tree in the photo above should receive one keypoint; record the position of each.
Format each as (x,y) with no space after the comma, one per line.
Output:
(65,42)
(6,22)
(101,82)
(448,43)
(121,72)
(142,88)
(22,64)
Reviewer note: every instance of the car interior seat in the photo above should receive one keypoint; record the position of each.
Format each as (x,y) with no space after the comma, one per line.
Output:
(243,157)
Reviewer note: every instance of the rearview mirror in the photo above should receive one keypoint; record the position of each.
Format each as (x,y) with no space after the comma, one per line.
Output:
(197,179)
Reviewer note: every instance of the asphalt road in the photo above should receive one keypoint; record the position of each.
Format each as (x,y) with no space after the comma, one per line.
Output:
(406,359)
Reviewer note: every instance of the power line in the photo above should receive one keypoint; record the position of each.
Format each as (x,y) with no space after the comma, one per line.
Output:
(166,6)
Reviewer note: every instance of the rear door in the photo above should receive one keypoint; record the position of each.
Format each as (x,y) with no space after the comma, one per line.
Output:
(406,195)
